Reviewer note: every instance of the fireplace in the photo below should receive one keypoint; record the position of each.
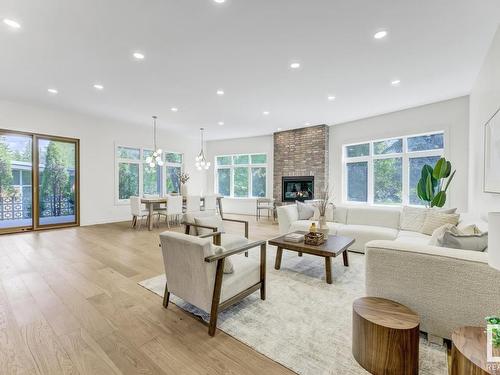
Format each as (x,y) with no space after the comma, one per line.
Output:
(297,188)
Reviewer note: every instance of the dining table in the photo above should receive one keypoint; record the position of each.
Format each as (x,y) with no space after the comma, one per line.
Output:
(150,203)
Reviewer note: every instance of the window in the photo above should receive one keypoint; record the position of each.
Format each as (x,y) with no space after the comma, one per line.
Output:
(241,176)
(136,178)
(387,171)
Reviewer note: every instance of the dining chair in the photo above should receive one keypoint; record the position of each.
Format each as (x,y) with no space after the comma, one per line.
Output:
(265,204)
(193,203)
(137,211)
(210,203)
(174,208)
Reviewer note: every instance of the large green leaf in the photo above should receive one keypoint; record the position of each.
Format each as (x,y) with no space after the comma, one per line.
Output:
(449,180)
(421,191)
(439,200)
(440,169)
(429,188)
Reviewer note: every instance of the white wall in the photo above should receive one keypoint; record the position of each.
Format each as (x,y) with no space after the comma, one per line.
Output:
(97,144)
(251,145)
(484,101)
(451,116)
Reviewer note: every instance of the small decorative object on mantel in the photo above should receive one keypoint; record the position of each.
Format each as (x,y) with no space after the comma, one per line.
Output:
(183,178)
(314,239)
(322,203)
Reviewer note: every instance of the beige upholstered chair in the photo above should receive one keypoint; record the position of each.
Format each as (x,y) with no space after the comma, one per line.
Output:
(194,268)
(210,203)
(138,213)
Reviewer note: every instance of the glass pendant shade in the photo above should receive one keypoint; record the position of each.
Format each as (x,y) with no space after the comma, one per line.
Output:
(156,158)
(201,161)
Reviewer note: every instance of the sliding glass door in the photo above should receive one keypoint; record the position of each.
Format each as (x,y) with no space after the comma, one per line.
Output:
(57,181)
(46,196)
(16,193)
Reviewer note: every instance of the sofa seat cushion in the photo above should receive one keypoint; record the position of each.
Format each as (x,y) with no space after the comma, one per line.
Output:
(231,241)
(304,225)
(413,237)
(365,233)
(246,272)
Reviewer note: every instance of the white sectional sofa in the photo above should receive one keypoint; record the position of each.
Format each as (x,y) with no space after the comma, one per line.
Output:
(448,288)
(362,223)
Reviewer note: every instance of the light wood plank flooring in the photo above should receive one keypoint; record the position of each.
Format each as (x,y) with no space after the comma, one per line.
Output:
(70,304)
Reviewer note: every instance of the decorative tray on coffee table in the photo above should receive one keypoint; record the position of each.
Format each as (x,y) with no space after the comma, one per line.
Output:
(314,239)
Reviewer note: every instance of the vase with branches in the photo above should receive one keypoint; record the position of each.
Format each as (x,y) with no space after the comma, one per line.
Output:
(183,179)
(322,203)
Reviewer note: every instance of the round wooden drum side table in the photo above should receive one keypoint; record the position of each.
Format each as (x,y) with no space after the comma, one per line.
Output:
(385,336)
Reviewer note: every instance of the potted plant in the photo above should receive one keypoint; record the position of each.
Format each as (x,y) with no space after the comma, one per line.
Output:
(434,182)
(183,178)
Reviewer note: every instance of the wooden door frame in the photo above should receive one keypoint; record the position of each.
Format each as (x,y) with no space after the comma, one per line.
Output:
(35,223)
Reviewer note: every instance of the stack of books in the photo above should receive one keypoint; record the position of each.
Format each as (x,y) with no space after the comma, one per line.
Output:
(294,237)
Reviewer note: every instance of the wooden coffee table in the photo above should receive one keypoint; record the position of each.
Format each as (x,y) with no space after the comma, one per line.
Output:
(333,247)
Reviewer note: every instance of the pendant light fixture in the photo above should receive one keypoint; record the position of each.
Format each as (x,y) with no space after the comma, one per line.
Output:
(156,158)
(201,160)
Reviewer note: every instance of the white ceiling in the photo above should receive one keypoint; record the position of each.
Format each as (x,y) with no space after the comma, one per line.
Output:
(194,47)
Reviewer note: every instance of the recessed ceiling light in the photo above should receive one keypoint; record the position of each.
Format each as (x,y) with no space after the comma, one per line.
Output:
(219,1)
(138,55)
(220,92)
(221,123)
(307,124)
(98,87)
(174,109)
(331,98)
(380,34)
(12,23)
(265,113)
(279,129)
(52,91)
(396,82)
(295,65)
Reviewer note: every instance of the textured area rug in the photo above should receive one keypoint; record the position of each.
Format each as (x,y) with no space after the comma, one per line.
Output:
(305,323)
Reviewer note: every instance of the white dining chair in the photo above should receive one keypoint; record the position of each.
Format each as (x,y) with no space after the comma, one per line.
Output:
(210,203)
(138,213)
(174,208)
(193,203)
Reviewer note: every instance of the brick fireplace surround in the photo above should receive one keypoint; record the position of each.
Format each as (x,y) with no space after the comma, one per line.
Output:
(301,152)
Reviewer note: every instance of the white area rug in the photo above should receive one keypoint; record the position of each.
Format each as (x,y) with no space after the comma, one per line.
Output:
(304,324)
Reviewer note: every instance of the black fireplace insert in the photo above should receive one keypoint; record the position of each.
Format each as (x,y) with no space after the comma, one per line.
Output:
(297,188)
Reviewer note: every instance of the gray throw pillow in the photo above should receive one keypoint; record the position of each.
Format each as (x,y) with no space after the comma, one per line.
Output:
(475,242)
(306,211)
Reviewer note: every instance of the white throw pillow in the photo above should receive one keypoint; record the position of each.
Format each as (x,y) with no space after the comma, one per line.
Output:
(228,265)
(305,211)
(435,219)
(438,234)
(209,221)
(412,218)
(329,212)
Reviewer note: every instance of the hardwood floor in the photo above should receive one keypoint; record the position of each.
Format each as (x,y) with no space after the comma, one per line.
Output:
(70,304)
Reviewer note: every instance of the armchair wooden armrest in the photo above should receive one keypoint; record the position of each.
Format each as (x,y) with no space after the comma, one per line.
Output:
(189,225)
(239,221)
(241,249)
(215,235)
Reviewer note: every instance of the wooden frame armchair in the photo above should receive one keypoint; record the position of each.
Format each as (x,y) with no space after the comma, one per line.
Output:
(195,273)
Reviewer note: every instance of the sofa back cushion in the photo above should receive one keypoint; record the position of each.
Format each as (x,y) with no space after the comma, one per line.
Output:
(337,214)
(377,216)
